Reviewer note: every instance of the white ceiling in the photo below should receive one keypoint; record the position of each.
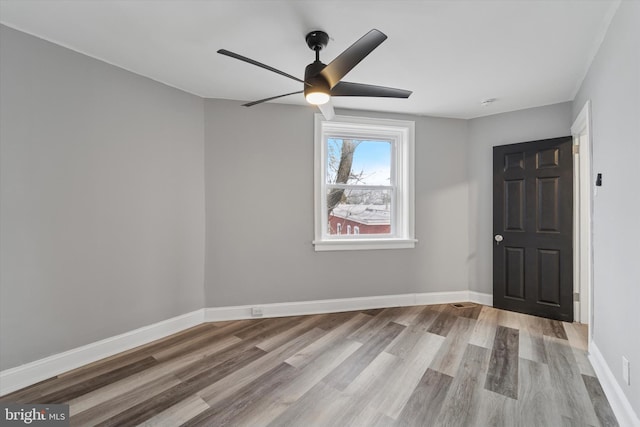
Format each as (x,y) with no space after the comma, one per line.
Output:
(452,54)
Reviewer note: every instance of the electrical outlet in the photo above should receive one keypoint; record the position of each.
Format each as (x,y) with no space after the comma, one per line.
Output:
(625,371)
(256,312)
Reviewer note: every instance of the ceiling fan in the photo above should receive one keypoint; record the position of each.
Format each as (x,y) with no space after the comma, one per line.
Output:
(321,81)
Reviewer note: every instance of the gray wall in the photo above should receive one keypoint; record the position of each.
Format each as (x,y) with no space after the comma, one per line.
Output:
(259,195)
(484,133)
(102,200)
(613,86)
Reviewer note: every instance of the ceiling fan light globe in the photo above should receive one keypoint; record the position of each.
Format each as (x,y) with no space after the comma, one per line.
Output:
(317,98)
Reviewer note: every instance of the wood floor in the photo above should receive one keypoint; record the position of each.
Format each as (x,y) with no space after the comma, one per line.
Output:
(437,365)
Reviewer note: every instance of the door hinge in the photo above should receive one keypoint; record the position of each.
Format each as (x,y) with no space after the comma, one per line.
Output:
(576,296)
(575,149)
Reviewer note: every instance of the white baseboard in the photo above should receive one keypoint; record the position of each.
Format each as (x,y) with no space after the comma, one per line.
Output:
(619,403)
(481,298)
(300,308)
(22,376)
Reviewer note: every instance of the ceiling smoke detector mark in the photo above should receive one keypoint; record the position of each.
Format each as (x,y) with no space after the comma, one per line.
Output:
(488,101)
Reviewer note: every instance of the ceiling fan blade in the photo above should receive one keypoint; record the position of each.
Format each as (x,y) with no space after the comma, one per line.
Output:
(259,64)
(348,59)
(360,89)
(249,104)
(327,110)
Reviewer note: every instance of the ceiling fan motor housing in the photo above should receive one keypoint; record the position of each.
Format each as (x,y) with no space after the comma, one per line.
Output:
(316,82)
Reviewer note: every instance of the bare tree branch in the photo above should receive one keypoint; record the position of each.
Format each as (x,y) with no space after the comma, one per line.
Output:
(343,174)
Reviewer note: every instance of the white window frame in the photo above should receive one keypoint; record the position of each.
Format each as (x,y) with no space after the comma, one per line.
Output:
(401,134)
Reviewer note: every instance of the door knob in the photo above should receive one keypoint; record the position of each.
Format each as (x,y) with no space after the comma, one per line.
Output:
(498,238)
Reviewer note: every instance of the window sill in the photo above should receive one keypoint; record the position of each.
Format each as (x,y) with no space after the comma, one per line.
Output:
(363,244)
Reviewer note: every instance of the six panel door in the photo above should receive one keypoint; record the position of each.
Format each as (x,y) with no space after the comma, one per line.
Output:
(533,228)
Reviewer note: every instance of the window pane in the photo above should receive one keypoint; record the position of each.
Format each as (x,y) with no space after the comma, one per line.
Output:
(358,162)
(358,211)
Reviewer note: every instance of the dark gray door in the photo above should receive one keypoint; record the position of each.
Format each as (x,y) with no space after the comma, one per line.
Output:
(533,228)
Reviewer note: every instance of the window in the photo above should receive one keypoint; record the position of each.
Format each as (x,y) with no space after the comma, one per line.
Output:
(363,182)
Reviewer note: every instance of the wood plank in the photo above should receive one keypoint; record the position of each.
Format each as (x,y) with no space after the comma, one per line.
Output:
(241,377)
(464,392)
(370,417)
(108,364)
(320,367)
(278,400)
(583,363)
(307,354)
(531,342)
(425,318)
(534,389)
(426,400)
(119,360)
(179,413)
(227,356)
(94,383)
(314,408)
(408,315)
(442,324)
(304,325)
(212,336)
(358,395)
(155,404)
(532,347)
(405,342)
(484,330)
(121,402)
(569,389)
(348,370)
(268,406)
(405,376)
(448,358)
(494,409)
(331,321)
(375,325)
(502,375)
(230,410)
(599,401)
(171,367)
(372,312)
(509,319)
(569,422)
(267,328)
(28,394)
(553,328)
(576,334)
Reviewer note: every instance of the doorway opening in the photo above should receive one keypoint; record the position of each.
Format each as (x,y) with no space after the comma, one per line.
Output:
(583,210)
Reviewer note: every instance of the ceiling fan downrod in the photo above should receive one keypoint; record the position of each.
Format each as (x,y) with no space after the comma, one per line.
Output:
(317,89)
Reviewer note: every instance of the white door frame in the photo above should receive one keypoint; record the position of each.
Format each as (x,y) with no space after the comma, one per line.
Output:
(583,210)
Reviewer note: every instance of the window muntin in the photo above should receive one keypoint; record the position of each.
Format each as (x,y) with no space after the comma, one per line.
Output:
(366,203)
